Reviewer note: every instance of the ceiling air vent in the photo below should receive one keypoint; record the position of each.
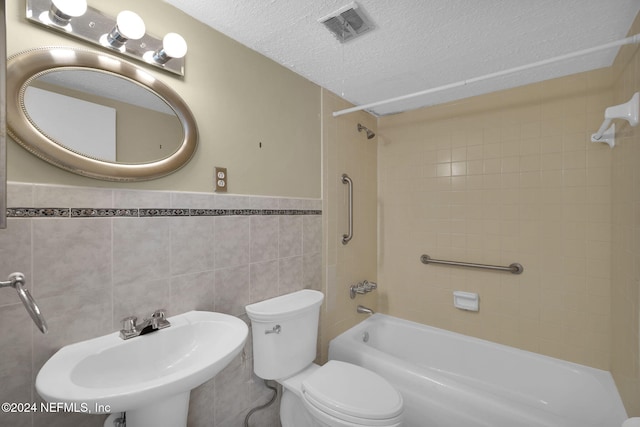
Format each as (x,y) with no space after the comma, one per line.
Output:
(348,22)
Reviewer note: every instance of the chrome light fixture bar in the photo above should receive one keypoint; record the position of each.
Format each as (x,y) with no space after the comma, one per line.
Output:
(125,34)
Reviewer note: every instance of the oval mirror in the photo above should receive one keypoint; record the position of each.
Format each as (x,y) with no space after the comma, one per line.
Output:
(96,115)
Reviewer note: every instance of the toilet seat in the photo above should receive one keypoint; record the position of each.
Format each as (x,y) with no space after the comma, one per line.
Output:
(352,394)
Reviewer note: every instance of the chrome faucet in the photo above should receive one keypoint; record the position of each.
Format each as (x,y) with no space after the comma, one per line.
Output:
(363,309)
(362,288)
(132,329)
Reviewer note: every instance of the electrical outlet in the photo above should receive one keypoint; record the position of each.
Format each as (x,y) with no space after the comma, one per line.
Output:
(220,179)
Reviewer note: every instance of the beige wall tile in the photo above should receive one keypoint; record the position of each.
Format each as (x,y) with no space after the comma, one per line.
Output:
(533,190)
(345,150)
(623,297)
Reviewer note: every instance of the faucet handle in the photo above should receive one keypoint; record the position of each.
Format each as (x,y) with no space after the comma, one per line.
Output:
(160,313)
(355,289)
(369,286)
(128,327)
(129,323)
(159,319)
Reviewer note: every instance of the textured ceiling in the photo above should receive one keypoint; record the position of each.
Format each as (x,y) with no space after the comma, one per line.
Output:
(421,44)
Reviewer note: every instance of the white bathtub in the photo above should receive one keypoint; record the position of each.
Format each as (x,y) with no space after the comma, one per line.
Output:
(452,380)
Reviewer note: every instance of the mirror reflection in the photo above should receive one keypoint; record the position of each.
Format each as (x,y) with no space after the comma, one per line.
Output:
(103,116)
(59,99)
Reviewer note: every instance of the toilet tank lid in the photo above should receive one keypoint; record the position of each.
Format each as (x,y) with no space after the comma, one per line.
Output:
(285,306)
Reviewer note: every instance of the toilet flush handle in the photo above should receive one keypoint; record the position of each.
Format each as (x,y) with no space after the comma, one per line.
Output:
(275,330)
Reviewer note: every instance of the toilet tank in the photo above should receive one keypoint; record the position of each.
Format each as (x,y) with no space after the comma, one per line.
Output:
(285,333)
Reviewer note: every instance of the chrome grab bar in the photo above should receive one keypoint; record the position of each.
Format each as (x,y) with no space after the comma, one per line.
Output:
(514,268)
(16,281)
(347,237)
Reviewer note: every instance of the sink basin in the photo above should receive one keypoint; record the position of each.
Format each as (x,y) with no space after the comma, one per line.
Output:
(146,376)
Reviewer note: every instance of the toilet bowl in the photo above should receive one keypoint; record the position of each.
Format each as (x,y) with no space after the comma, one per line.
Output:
(337,394)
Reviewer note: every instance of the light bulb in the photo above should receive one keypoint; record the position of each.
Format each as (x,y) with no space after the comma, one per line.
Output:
(61,11)
(130,25)
(173,46)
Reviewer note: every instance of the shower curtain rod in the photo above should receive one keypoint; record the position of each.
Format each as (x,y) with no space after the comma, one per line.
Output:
(629,40)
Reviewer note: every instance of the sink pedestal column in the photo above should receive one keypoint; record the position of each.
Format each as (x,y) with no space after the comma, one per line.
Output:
(169,412)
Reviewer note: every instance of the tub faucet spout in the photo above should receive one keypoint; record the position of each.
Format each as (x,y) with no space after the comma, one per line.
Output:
(363,309)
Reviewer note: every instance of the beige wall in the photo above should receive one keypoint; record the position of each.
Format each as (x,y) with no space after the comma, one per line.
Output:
(625,186)
(239,99)
(501,178)
(345,150)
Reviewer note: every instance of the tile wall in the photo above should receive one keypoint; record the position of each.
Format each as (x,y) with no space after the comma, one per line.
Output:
(345,150)
(115,253)
(501,178)
(625,260)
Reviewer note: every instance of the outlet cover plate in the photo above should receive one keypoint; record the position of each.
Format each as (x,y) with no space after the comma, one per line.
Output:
(220,179)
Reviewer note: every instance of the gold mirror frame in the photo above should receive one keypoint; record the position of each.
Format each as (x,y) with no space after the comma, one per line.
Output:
(26,66)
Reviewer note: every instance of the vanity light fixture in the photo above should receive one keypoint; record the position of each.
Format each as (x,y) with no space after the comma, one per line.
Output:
(125,34)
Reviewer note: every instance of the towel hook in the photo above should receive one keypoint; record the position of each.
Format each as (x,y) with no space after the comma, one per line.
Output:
(628,111)
(16,281)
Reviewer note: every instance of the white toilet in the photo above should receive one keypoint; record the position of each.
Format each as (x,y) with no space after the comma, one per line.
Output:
(338,394)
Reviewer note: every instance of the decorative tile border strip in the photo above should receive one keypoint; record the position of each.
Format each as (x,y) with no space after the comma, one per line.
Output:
(37,212)
(102,213)
(163,212)
(146,213)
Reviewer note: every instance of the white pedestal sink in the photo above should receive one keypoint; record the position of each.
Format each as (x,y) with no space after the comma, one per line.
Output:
(148,377)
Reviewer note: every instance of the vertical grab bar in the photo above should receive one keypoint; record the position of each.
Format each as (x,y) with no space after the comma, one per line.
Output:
(347,237)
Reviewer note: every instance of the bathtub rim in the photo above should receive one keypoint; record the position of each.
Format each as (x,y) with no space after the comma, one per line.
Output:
(367,353)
